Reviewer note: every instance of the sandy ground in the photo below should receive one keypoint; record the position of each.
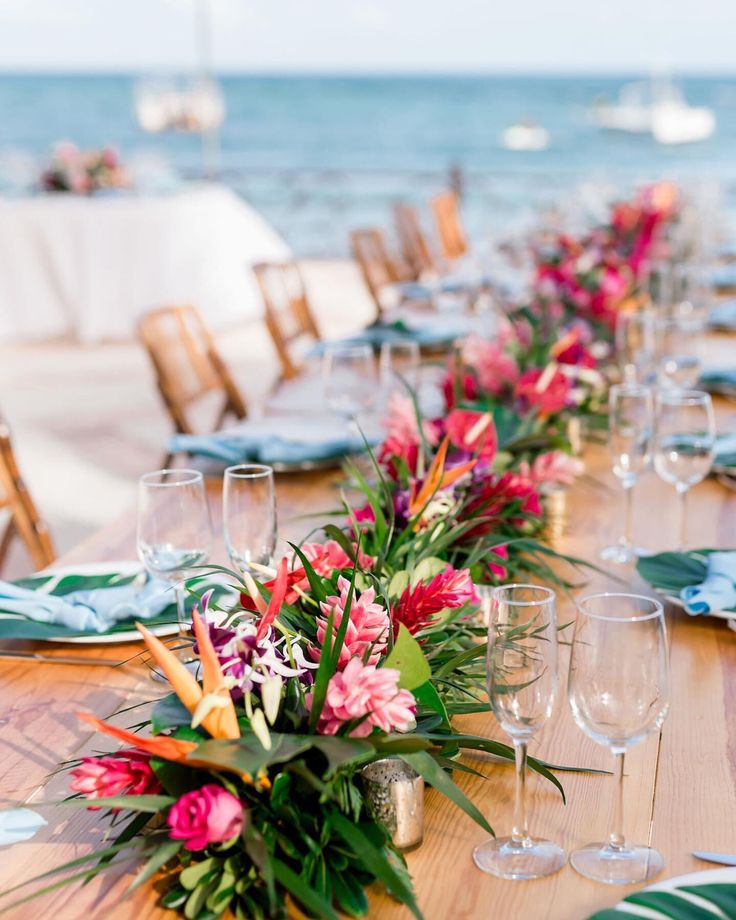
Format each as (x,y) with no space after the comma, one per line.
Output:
(88,420)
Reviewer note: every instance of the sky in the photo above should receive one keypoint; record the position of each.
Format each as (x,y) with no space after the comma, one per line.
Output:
(385,36)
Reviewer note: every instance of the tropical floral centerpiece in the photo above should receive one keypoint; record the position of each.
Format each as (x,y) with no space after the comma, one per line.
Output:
(83,172)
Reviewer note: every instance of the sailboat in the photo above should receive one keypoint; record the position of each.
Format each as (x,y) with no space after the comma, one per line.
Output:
(656,107)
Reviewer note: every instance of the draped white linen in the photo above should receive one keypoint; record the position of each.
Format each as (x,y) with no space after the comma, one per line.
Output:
(87,268)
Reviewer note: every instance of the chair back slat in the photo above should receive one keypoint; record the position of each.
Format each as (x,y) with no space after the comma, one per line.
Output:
(25,521)
(187,363)
(414,244)
(378,268)
(446,210)
(288,315)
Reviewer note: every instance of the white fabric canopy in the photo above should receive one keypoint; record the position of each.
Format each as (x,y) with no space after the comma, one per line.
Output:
(89,267)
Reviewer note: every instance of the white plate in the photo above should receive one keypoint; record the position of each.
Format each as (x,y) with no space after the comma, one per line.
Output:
(676,602)
(706,877)
(107,568)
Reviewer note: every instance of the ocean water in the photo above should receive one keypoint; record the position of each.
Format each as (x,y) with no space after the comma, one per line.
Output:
(320,155)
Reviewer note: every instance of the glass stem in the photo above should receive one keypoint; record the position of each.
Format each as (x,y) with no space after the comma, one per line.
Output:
(520,832)
(628,505)
(616,838)
(682,493)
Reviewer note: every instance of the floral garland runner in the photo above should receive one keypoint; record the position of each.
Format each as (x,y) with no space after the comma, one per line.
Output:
(244,792)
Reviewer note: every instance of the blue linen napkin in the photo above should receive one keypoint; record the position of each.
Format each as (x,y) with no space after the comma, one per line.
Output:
(724,277)
(18,824)
(95,610)
(723,315)
(718,590)
(718,376)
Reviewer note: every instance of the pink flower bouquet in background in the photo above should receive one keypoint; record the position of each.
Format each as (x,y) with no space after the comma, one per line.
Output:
(83,172)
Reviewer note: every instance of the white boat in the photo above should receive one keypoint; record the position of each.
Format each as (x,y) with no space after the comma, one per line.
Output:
(525,135)
(658,108)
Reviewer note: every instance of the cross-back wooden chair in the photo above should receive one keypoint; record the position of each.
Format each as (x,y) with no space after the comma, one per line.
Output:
(446,210)
(379,269)
(187,364)
(288,315)
(414,245)
(25,522)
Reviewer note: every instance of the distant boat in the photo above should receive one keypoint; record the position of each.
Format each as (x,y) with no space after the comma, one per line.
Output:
(525,135)
(658,108)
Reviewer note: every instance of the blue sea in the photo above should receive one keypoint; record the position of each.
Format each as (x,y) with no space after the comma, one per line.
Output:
(320,155)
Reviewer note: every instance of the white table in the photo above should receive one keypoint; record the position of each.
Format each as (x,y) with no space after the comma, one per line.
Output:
(87,268)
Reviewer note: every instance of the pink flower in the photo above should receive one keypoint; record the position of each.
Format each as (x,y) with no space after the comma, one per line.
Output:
(365,692)
(127,772)
(497,569)
(555,467)
(368,630)
(543,389)
(207,815)
(401,422)
(418,604)
(472,432)
(496,370)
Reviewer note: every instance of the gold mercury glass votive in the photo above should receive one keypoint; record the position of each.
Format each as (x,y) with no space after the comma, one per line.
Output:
(554,501)
(394,793)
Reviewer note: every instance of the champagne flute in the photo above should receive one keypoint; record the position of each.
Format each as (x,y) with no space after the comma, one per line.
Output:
(174,531)
(249,515)
(398,362)
(635,344)
(630,422)
(678,350)
(522,685)
(349,377)
(684,443)
(618,691)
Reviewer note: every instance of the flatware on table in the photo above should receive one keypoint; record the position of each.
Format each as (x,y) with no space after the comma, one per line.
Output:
(57,659)
(725,858)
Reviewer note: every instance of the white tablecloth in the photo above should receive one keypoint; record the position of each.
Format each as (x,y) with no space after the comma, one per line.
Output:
(89,267)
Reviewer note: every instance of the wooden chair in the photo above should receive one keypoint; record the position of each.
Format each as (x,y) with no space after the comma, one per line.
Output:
(453,240)
(289,317)
(25,521)
(414,245)
(187,364)
(380,271)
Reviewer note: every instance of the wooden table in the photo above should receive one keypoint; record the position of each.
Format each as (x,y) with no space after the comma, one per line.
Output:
(680,787)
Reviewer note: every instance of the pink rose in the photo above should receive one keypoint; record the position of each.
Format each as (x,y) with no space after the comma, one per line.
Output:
(207,815)
(127,772)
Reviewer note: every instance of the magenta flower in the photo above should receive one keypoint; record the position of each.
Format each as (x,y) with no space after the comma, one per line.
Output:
(420,603)
(495,368)
(365,692)
(207,815)
(553,468)
(368,629)
(127,772)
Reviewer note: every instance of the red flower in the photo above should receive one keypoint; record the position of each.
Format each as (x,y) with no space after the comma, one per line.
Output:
(493,498)
(419,604)
(543,389)
(128,772)
(472,432)
(465,383)
(496,568)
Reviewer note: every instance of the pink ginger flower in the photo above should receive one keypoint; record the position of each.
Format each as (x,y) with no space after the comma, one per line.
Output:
(368,630)
(365,692)
(495,369)
(495,567)
(420,603)
(127,772)
(553,468)
(207,815)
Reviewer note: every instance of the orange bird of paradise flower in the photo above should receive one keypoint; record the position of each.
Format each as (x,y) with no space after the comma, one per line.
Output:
(437,478)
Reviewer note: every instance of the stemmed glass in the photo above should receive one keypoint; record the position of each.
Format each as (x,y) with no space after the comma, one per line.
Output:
(684,443)
(249,515)
(174,531)
(618,691)
(399,360)
(630,423)
(635,344)
(678,351)
(349,376)
(522,685)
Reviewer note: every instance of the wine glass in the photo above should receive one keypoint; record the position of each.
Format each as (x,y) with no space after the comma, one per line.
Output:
(174,531)
(522,685)
(618,691)
(635,344)
(349,376)
(249,515)
(630,423)
(399,364)
(684,442)
(678,350)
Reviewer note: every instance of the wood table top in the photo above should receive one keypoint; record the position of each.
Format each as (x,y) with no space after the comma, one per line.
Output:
(680,783)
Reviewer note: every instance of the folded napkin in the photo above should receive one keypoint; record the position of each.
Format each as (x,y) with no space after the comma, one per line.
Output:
(94,610)
(427,330)
(724,277)
(718,590)
(726,450)
(718,377)
(273,440)
(18,824)
(723,316)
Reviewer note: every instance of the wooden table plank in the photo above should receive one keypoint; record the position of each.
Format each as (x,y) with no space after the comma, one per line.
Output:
(680,788)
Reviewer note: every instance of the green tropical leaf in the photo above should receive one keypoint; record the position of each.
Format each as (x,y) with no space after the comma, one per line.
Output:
(409,660)
(169,713)
(301,892)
